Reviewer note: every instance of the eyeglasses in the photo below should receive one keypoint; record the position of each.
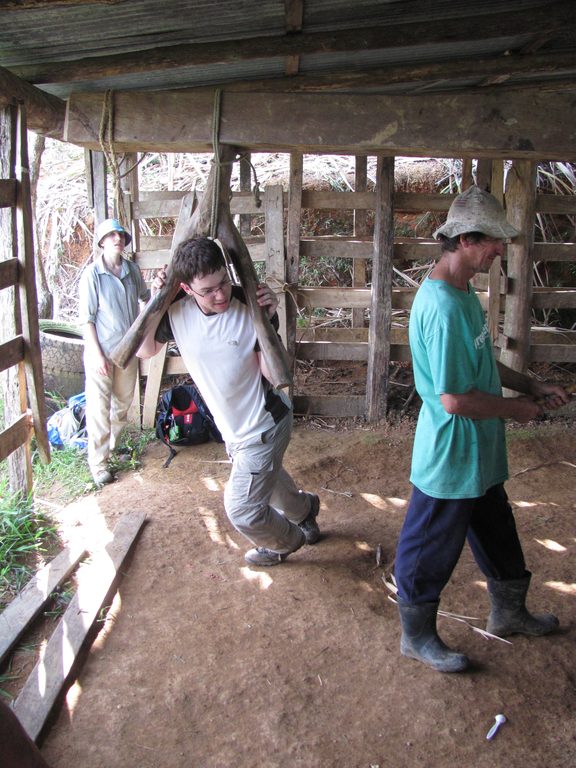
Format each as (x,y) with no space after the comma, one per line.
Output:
(212,291)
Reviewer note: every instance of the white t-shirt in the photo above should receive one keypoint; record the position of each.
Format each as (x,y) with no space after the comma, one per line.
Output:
(219,352)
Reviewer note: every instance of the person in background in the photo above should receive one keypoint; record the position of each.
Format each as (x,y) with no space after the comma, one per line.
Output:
(215,334)
(459,461)
(110,289)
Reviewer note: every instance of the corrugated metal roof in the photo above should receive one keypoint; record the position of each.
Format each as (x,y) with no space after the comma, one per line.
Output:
(41,41)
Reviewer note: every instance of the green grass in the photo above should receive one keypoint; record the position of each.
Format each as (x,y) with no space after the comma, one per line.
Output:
(25,532)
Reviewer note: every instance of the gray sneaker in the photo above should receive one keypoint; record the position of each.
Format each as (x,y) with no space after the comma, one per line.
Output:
(309,526)
(263,556)
(103,478)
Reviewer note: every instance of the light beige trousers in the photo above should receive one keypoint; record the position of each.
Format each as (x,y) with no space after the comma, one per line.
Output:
(108,399)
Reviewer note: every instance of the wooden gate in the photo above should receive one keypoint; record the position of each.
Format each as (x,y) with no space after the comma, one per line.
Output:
(25,409)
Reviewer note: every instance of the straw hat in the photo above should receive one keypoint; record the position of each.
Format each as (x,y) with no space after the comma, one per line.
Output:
(476,210)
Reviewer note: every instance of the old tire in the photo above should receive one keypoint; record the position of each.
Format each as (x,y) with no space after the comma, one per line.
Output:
(62,347)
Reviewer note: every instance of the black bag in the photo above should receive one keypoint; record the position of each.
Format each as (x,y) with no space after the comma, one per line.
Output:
(184,419)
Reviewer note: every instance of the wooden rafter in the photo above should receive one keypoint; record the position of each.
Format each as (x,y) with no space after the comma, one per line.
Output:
(445,31)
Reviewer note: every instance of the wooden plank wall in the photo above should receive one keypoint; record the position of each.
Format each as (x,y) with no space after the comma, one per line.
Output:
(351,344)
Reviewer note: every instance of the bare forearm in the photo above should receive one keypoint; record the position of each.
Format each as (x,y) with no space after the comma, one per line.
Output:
(149,347)
(482,405)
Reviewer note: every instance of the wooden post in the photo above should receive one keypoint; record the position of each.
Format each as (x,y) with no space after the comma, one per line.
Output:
(467,176)
(381,300)
(360,229)
(275,256)
(520,212)
(484,173)
(128,167)
(97,186)
(497,187)
(245,186)
(293,248)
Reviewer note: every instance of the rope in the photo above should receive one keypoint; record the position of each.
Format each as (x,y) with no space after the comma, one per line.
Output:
(216,148)
(256,190)
(107,126)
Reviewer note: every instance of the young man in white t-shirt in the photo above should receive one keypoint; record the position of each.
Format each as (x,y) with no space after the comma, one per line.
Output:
(212,326)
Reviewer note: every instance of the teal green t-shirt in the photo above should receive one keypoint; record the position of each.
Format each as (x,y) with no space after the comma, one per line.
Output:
(454,457)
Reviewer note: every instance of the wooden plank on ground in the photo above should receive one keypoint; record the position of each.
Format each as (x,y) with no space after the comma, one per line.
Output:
(29,602)
(95,580)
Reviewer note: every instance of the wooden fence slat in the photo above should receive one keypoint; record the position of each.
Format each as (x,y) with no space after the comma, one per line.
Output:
(7,193)
(29,602)
(95,580)
(564,298)
(332,406)
(8,273)
(155,372)
(11,352)
(160,205)
(554,251)
(552,353)
(352,351)
(15,435)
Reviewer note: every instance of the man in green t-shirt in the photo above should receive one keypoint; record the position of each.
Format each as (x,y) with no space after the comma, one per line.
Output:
(459,462)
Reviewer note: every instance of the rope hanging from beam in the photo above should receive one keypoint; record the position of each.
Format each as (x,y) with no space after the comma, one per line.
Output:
(106,129)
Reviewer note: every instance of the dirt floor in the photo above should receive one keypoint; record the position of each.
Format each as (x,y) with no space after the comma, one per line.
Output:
(204,662)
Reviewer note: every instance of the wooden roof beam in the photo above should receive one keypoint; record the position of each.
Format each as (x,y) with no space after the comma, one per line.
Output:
(490,124)
(44,113)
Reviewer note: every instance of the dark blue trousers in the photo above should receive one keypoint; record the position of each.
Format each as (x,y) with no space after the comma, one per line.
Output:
(433,536)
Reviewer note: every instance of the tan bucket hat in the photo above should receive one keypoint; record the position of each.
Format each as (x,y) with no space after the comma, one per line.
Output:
(476,210)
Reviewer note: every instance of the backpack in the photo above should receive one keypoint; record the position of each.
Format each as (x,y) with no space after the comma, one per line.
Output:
(67,427)
(184,419)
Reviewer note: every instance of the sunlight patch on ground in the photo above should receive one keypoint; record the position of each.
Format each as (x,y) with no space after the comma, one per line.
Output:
(383,503)
(525,504)
(553,546)
(83,522)
(531,504)
(111,617)
(211,483)
(211,524)
(73,697)
(561,586)
(262,580)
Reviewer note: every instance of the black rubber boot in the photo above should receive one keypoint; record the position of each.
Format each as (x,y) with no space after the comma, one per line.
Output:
(420,640)
(509,614)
